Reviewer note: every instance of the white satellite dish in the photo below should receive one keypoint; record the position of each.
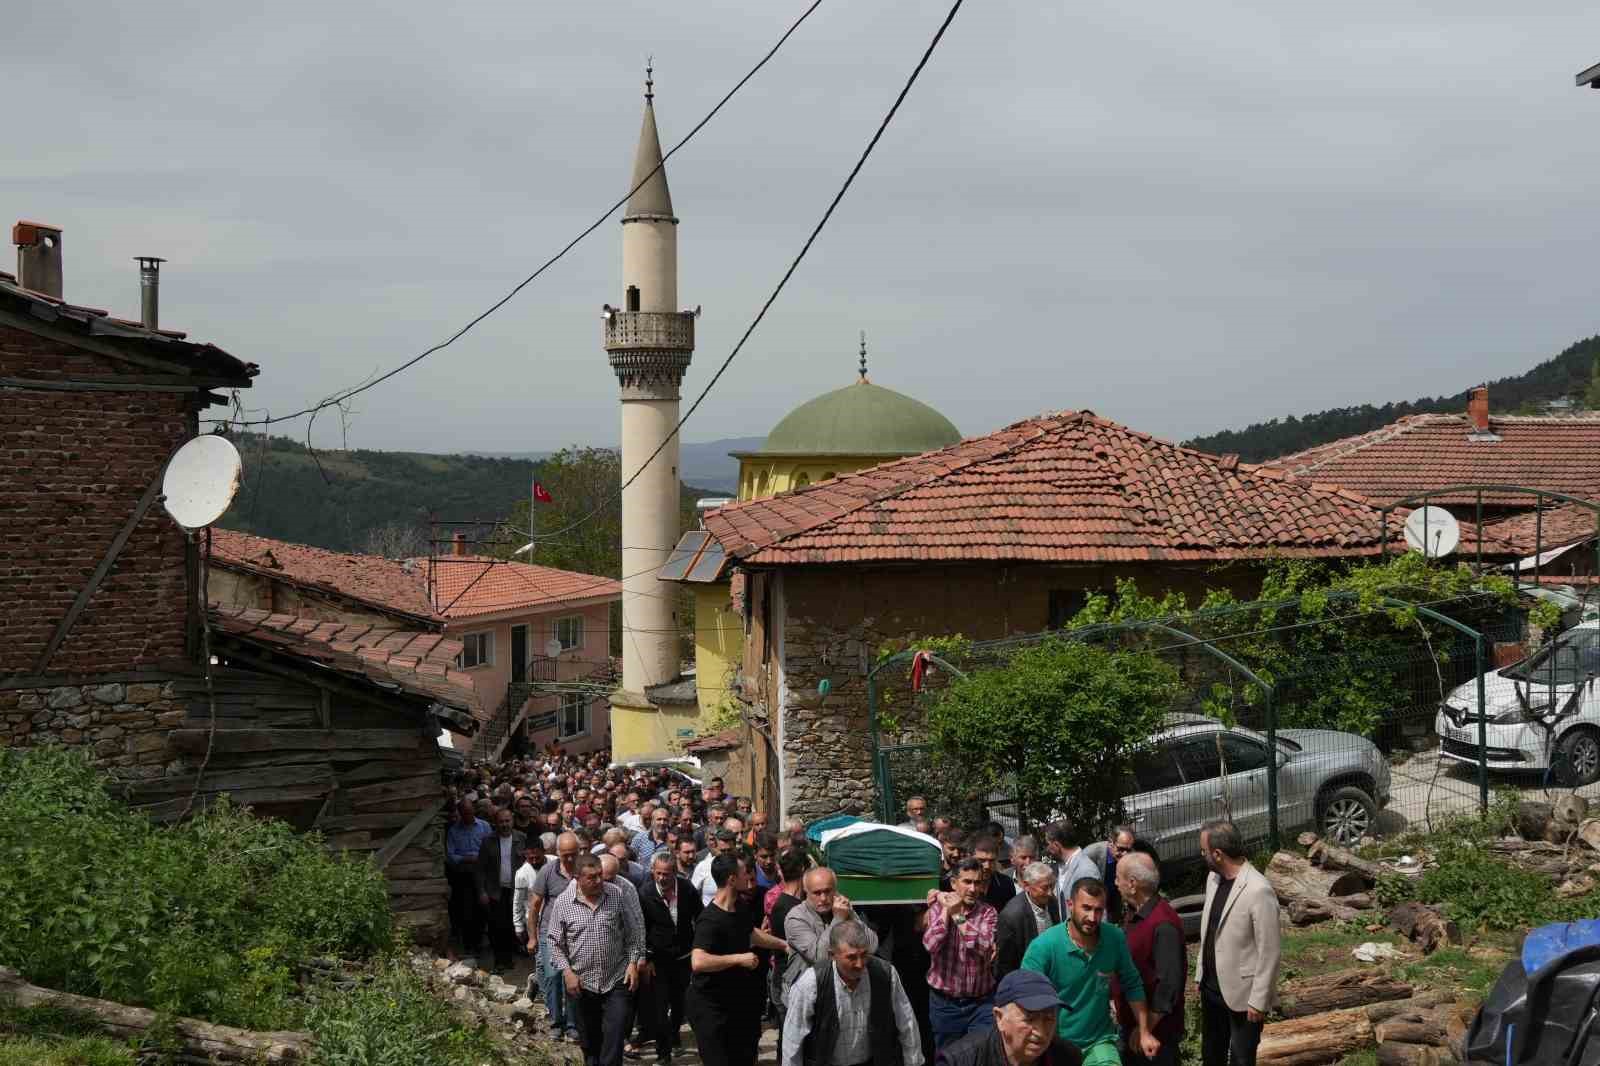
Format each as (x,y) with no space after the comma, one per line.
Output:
(200,482)
(552,648)
(1433,531)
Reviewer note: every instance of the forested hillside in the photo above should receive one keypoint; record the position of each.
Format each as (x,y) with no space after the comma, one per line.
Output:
(380,502)
(1572,374)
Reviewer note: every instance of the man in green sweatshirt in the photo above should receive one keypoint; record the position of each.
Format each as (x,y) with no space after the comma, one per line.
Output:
(1080,956)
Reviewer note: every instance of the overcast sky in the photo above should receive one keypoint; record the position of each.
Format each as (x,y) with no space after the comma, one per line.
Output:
(1185,216)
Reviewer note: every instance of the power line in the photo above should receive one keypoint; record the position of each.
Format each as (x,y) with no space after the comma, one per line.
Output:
(787,274)
(341,397)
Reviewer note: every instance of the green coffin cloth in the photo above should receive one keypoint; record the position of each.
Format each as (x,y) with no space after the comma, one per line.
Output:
(882,852)
(862,889)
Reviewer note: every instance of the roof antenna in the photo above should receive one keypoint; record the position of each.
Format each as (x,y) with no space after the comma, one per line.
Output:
(649,74)
(863,370)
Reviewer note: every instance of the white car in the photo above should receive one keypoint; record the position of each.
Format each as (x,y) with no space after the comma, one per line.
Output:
(1541,714)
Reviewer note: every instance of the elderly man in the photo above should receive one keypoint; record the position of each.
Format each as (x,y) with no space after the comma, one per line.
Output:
(496,873)
(916,811)
(1077,956)
(1155,940)
(547,888)
(671,905)
(960,940)
(1025,1011)
(806,925)
(1021,921)
(1024,853)
(597,941)
(851,1010)
(1239,950)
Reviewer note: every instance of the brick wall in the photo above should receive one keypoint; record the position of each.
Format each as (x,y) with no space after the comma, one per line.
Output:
(834,620)
(72,467)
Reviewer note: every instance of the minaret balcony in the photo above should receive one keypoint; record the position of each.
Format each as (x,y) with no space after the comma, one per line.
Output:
(649,330)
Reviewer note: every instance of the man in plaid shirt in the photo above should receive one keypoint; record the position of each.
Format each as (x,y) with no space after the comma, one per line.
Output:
(597,941)
(960,938)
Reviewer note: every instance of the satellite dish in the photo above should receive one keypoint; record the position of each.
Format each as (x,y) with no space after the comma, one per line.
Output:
(200,482)
(552,648)
(1433,531)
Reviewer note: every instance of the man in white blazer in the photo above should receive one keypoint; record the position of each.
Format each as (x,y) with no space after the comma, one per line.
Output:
(1239,944)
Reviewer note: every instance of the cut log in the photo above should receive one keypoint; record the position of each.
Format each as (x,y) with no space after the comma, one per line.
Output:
(201,1042)
(1305,840)
(1338,991)
(1589,833)
(1570,808)
(1294,878)
(1405,1031)
(1339,909)
(1424,925)
(1416,1005)
(1413,1055)
(1532,819)
(1333,857)
(1315,1040)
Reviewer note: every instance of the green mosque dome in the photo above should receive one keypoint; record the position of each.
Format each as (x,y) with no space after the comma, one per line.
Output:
(862,419)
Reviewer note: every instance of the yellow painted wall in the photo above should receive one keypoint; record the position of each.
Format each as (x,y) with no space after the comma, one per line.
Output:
(761,476)
(718,643)
(647,732)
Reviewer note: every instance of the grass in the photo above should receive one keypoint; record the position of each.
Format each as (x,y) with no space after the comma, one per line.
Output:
(1471,969)
(70,1051)
(1368,1057)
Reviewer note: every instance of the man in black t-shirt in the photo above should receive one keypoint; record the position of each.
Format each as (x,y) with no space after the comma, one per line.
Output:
(724,1001)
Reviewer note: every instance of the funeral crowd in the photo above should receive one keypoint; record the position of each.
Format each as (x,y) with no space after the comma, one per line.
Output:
(649,902)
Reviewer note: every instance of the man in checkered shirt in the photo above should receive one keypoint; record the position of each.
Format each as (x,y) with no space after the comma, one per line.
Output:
(597,941)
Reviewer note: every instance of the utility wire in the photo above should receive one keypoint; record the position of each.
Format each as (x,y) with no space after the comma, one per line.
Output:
(816,231)
(340,397)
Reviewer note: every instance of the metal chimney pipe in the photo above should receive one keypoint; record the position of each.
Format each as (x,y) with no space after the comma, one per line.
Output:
(150,290)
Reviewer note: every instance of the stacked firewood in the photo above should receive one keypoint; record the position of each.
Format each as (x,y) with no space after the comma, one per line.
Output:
(1334,1015)
(1333,883)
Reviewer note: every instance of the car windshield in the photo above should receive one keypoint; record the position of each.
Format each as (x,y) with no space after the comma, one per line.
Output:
(1572,658)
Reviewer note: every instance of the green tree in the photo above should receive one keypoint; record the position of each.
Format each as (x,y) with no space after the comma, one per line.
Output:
(1058,723)
(1591,395)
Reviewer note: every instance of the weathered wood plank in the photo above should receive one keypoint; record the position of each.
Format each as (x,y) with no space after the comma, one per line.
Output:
(240,740)
(230,780)
(374,770)
(168,810)
(415,787)
(425,868)
(342,823)
(408,833)
(425,886)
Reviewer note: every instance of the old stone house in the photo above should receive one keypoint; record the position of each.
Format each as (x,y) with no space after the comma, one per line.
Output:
(993,537)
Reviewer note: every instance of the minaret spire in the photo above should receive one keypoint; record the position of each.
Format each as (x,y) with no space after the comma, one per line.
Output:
(650,197)
(863,370)
(649,84)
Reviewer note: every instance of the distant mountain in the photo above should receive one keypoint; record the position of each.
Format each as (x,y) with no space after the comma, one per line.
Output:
(1567,376)
(708,464)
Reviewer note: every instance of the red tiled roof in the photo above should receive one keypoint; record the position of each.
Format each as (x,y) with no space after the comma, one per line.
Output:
(1528,533)
(403,586)
(371,579)
(420,663)
(1068,487)
(1422,452)
(726,740)
(466,586)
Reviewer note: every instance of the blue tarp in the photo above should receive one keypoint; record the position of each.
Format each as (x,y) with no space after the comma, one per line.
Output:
(1549,942)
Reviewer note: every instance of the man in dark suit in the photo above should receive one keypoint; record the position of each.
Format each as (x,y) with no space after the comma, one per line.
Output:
(670,905)
(1030,913)
(496,880)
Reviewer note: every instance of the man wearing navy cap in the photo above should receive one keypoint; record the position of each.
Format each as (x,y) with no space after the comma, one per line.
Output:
(1024,1033)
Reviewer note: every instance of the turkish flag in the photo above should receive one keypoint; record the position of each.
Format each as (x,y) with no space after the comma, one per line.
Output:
(541,495)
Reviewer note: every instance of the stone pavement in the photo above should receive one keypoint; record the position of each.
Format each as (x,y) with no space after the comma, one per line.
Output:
(1427,787)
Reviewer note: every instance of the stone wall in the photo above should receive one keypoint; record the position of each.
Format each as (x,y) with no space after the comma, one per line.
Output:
(836,618)
(122,725)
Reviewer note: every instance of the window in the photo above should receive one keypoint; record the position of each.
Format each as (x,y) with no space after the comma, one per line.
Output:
(1198,756)
(802,481)
(633,297)
(1153,770)
(477,649)
(569,632)
(574,720)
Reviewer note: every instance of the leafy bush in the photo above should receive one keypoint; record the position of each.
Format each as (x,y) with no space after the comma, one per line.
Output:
(390,1019)
(1059,721)
(208,918)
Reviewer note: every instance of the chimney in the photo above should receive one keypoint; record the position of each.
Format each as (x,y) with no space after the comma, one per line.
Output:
(149,290)
(458,544)
(38,257)
(1478,409)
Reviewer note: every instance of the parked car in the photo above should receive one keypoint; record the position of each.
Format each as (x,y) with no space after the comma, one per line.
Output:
(1541,714)
(1333,782)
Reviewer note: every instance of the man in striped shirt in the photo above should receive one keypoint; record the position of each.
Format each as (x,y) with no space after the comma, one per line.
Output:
(960,939)
(597,942)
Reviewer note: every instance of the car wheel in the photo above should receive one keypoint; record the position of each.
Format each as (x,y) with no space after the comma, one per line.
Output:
(1346,815)
(1578,758)
(1190,909)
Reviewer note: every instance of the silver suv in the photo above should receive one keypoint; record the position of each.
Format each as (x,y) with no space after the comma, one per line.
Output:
(1334,782)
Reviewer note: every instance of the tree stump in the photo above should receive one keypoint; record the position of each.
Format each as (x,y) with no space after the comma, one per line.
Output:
(1294,878)
(1340,909)
(1315,1040)
(1338,991)
(1424,925)
(1333,857)
(1532,819)
(1413,1055)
